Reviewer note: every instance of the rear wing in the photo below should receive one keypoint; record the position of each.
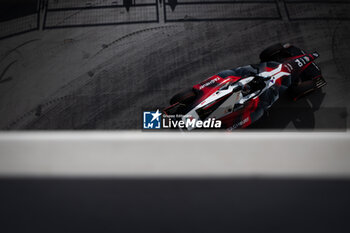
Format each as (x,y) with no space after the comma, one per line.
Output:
(315,55)
(301,62)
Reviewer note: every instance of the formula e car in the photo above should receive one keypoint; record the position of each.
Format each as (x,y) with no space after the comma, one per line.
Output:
(238,97)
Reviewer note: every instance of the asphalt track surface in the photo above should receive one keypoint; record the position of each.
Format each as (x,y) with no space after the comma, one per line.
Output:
(104,77)
(174,205)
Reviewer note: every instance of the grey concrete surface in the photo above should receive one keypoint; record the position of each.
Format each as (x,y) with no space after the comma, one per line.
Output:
(144,155)
(104,77)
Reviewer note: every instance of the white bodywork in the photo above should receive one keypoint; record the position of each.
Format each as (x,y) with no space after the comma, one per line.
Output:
(237,97)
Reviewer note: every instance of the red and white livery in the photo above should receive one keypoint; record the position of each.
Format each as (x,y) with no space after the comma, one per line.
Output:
(240,96)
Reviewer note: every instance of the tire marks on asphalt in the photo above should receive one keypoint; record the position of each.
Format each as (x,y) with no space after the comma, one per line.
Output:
(2,75)
(106,46)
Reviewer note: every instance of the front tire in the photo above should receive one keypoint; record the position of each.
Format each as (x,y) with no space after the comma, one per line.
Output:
(272,53)
(302,89)
(183,97)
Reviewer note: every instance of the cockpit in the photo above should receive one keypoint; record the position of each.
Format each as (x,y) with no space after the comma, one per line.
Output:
(243,71)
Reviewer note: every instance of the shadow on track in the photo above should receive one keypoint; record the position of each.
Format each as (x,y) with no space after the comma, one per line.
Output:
(304,114)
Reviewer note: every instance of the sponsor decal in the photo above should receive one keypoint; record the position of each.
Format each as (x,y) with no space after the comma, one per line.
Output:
(209,83)
(239,124)
(289,67)
(302,61)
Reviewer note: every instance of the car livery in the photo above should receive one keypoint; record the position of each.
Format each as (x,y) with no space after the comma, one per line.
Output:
(238,97)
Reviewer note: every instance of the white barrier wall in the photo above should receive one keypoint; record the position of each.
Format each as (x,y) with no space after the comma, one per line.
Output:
(136,154)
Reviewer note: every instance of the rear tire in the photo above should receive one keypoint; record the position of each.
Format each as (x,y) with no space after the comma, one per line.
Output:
(183,97)
(272,53)
(302,89)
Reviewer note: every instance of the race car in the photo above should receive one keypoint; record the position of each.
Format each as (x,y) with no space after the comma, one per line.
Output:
(239,97)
